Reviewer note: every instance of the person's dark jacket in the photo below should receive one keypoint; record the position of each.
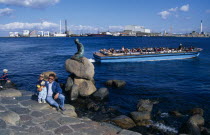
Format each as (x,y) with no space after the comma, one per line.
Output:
(4,76)
(55,88)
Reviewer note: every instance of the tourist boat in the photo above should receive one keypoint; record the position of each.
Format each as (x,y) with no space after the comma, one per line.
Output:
(146,54)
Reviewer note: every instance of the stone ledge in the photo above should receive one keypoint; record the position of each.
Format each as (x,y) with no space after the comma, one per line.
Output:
(24,115)
(10,93)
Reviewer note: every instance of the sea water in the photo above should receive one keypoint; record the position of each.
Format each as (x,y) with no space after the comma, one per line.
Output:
(177,84)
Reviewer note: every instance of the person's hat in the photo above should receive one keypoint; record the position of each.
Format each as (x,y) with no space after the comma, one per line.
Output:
(41,75)
(5,70)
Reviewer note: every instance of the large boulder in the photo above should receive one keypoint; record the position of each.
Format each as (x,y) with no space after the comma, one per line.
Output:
(193,125)
(74,93)
(138,116)
(196,111)
(83,70)
(196,120)
(69,84)
(85,87)
(141,118)
(144,105)
(101,94)
(10,93)
(124,122)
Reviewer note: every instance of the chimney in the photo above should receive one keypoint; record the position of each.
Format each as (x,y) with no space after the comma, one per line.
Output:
(201,27)
(66,31)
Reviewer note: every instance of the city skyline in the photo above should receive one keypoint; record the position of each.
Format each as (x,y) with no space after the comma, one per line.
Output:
(176,16)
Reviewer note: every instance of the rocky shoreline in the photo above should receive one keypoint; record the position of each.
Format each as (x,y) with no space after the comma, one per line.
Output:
(21,114)
(143,120)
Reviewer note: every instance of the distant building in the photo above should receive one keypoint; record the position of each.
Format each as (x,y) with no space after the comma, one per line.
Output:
(33,34)
(26,33)
(40,33)
(132,30)
(14,34)
(59,35)
(136,28)
(147,30)
(116,33)
(46,34)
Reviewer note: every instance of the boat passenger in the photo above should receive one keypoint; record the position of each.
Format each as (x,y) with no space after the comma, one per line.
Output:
(180,47)
(123,49)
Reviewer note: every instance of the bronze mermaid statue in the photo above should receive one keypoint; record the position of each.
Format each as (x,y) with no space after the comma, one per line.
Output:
(80,51)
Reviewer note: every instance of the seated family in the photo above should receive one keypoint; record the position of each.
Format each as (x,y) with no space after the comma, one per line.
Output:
(50,92)
(4,78)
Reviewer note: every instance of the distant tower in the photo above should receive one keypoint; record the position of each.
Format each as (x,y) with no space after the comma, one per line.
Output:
(66,31)
(201,27)
(60,26)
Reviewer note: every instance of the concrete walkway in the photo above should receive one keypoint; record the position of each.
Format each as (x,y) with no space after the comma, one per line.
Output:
(21,114)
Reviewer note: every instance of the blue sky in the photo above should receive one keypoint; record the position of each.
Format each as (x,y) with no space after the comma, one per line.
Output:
(177,16)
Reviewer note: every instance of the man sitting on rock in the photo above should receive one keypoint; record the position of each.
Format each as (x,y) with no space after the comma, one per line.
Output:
(4,78)
(54,93)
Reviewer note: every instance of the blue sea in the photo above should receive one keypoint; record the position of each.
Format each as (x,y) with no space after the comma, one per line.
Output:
(177,84)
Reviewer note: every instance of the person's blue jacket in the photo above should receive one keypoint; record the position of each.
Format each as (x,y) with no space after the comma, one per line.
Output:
(55,88)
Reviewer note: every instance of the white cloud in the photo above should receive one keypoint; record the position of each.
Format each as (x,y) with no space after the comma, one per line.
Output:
(30,3)
(164,14)
(53,27)
(92,29)
(6,11)
(185,8)
(173,9)
(83,27)
(31,26)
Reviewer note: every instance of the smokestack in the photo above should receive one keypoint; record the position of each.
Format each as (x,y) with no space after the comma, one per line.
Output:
(66,31)
(201,27)
(60,26)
